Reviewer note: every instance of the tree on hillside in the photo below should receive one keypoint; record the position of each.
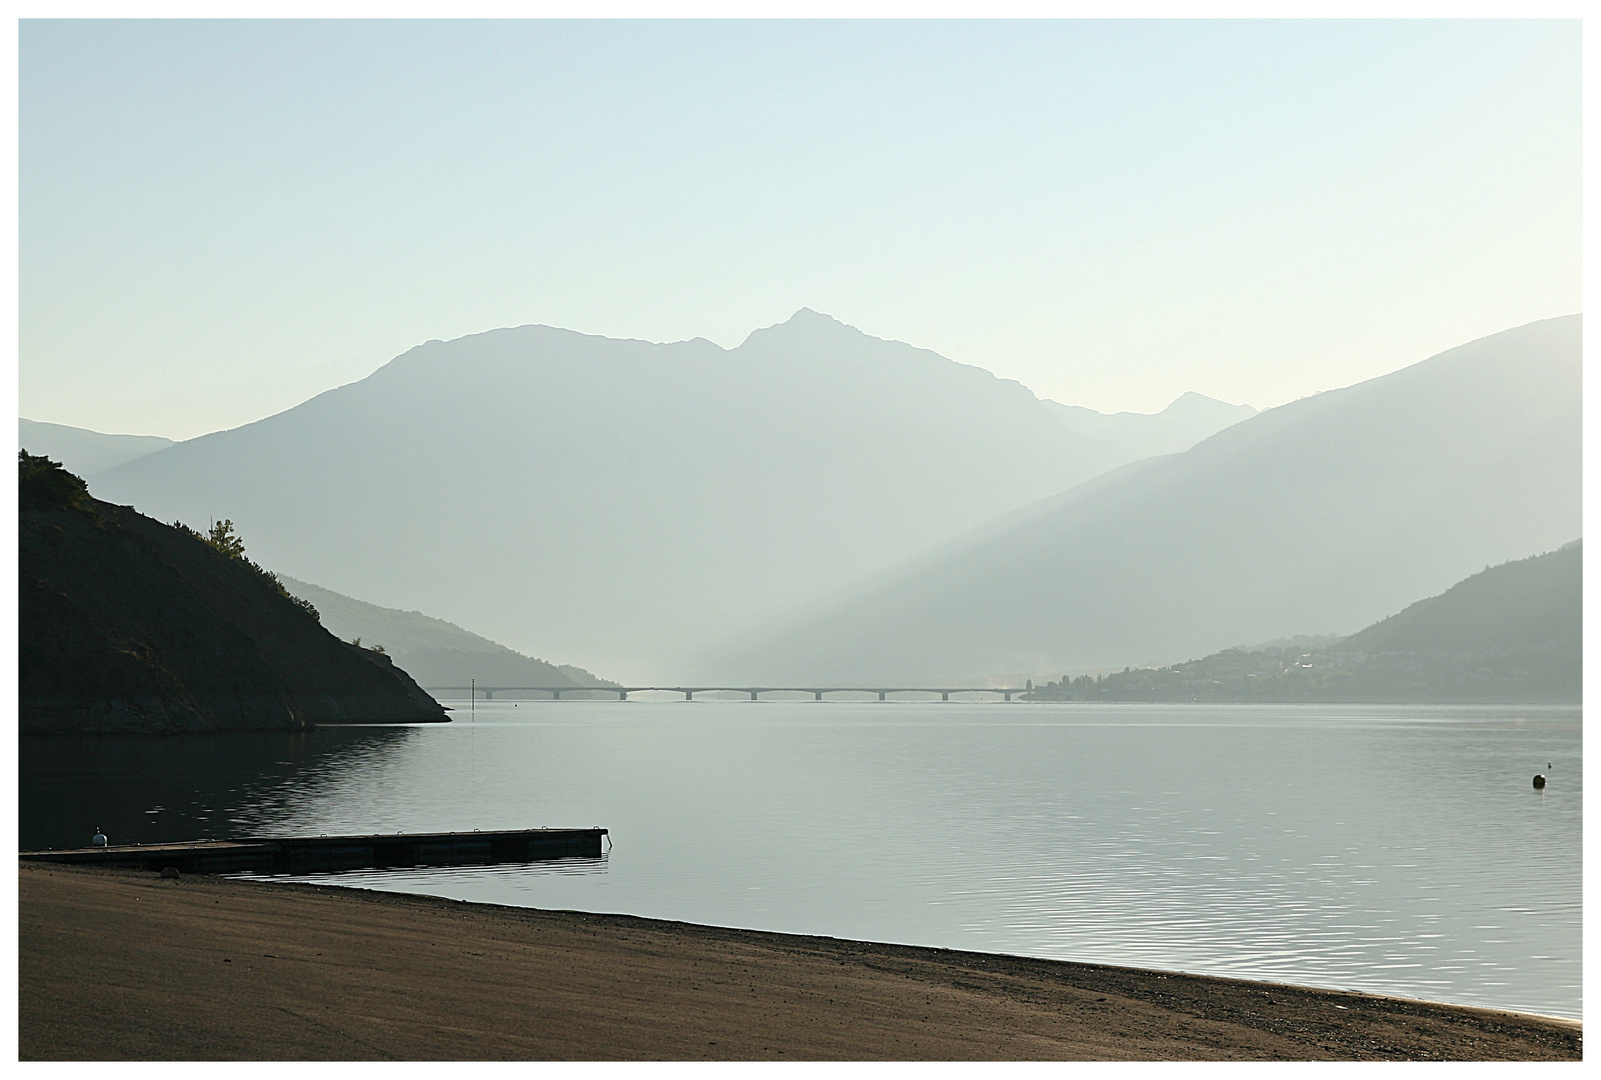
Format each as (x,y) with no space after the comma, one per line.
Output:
(43,484)
(224,539)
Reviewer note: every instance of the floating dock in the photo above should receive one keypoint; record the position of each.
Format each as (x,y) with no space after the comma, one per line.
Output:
(326,854)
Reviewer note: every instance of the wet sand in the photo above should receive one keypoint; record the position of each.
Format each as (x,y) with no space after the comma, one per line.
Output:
(123,965)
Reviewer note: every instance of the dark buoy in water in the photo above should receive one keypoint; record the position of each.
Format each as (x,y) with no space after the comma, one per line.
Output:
(99,838)
(1539,780)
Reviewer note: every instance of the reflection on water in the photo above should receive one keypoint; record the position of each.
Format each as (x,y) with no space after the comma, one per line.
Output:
(1395,850)
(507,879)
(152,790)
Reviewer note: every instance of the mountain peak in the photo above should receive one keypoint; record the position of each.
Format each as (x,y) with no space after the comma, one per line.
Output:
(1191,403)
(807,325)
(806,315)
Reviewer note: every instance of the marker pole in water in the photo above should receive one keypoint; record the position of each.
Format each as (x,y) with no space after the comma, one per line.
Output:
(472,700)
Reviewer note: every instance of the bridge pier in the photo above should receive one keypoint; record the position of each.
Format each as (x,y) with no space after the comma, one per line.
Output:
(944,695)
(555,695)
(881,696)
(622,695)
(689,695)
(753,696)
(489,695)
(818,694)
(1008,694)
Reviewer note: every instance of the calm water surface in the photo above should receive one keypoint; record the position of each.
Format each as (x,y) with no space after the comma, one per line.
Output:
(1395,850)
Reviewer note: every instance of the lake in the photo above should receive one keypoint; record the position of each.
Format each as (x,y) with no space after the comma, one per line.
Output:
(1398,850)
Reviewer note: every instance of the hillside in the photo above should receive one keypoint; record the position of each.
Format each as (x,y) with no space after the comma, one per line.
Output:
(1530,603)
(433,652)
(130,626)
(1319,516)
(629,502)
(1510,633)
(84,452)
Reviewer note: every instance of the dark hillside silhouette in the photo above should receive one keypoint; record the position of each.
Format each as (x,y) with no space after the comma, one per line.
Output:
(127,625)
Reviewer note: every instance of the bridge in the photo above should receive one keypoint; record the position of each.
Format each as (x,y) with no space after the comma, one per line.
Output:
(755,692)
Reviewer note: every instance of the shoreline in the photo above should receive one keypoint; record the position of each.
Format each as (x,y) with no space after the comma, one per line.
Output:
(981,957)
(125,965)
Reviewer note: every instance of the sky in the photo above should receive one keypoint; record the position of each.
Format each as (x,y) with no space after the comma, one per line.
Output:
(219,220)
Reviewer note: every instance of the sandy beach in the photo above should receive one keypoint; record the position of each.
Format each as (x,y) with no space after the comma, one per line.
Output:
(124,965)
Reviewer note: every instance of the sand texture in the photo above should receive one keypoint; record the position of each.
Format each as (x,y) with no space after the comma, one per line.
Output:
(124,965)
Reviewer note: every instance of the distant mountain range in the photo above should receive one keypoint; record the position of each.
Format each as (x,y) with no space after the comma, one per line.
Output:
(1319,516)
(1511,633)
(84,452)
(629,503)
(818,505)
(434,652)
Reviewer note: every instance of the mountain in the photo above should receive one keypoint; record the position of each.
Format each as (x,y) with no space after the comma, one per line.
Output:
(434,652)
(130,626)
(624,501)
(82,451)
(1319,516)
(1511,633)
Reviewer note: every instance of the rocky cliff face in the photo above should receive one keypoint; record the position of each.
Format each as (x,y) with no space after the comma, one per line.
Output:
(127,625)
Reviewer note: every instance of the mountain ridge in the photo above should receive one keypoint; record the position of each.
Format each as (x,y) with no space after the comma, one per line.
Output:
(1334,509)
(82,451)
(432,651)
(625,501)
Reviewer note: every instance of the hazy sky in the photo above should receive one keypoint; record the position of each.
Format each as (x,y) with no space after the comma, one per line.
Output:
(220,219)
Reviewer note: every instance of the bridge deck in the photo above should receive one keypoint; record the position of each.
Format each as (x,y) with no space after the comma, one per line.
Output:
(755,692)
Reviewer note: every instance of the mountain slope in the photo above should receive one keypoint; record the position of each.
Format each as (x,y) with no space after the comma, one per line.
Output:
(82,451)
(624,501)
(1324,514)
(1532,602)
(131,626)
(434,652)
(1511,633)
